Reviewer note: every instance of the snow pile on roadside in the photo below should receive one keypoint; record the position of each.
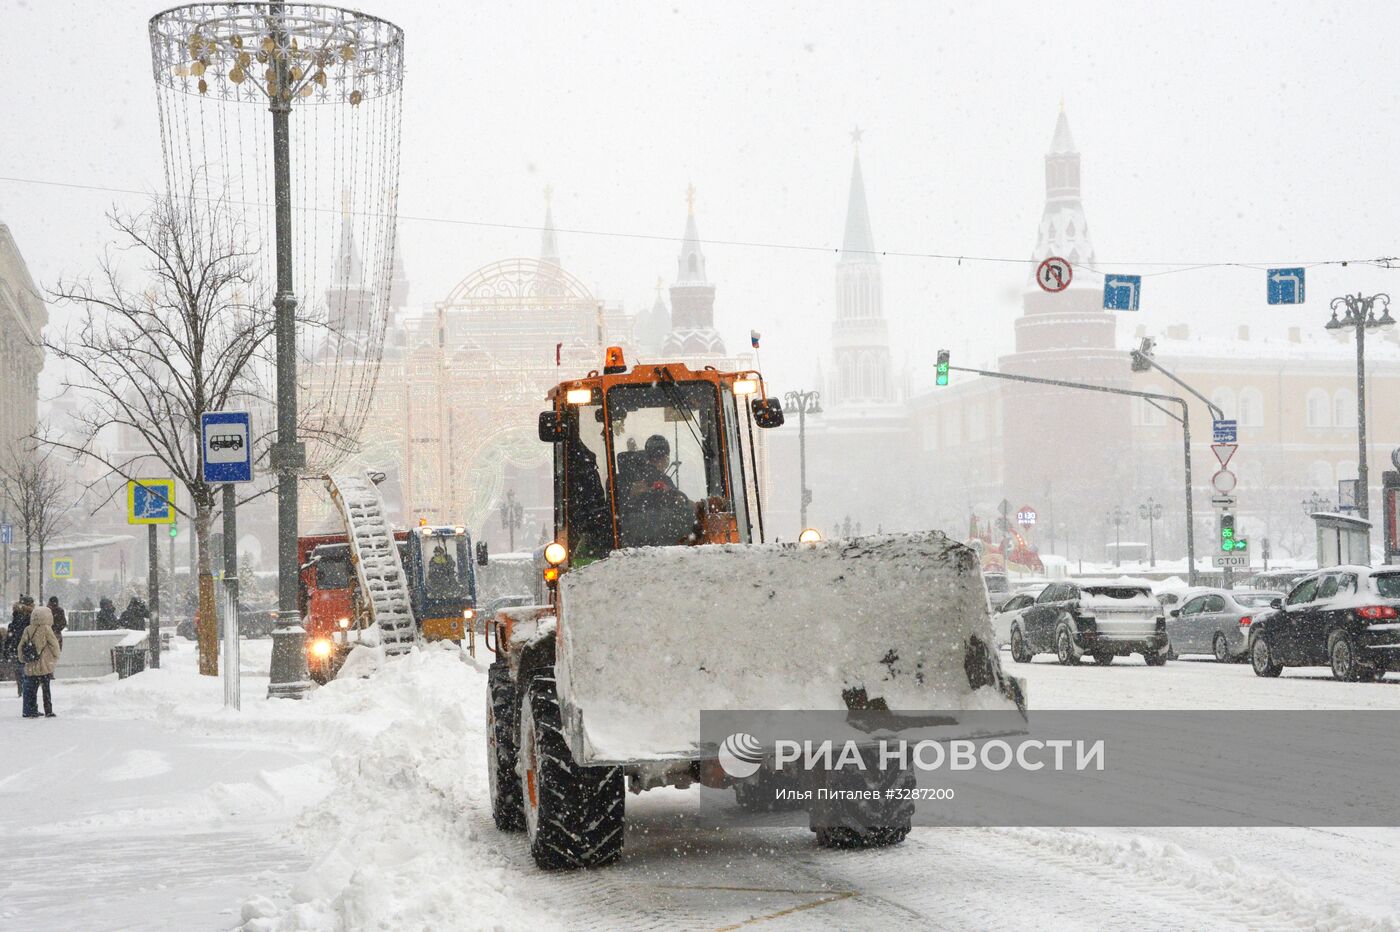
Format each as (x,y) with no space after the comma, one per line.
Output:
(409,804)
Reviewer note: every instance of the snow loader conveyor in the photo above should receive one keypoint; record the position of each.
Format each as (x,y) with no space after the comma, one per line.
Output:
(662,601)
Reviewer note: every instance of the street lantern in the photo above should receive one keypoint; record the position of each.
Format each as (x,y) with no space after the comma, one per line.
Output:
(1116,517)
(802,403)
(1360,316)
(1152,512)
(512,516)
(1316,503)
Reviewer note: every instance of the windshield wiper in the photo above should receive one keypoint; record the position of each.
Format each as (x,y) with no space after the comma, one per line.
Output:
(692,423)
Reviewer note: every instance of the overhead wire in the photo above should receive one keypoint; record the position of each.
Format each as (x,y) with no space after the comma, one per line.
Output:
(1169,266)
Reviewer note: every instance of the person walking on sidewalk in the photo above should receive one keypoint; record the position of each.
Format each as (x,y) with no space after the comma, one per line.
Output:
(60,619)
(19,620)
(38,648)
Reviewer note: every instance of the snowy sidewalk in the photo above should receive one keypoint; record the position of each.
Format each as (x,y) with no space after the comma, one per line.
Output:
(120,814)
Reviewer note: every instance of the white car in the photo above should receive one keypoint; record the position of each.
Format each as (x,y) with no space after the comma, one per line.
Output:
(1010,609)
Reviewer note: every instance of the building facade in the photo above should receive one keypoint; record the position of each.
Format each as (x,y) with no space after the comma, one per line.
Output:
(22,320)
(1074,457)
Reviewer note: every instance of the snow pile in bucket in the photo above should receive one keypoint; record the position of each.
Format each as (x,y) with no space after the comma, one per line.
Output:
(650,637)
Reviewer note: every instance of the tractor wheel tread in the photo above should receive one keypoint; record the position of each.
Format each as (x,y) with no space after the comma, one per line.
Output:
(581,808)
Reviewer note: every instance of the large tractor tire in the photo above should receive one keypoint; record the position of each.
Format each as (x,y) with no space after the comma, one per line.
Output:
(502,752)
(864,823)
(573,814)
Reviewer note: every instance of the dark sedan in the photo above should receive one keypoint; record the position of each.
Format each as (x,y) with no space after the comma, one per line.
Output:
(1345,617)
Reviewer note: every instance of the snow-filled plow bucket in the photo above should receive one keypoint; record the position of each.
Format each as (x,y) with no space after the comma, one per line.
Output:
(650,637)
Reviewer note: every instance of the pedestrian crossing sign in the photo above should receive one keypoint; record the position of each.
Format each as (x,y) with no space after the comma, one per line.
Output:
(63,568)
(150,501)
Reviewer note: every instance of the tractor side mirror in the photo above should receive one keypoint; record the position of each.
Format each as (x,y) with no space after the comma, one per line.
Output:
(551,429)
(768,412)
(481,554)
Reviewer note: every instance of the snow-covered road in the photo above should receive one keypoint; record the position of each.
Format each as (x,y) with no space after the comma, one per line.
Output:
(365,807)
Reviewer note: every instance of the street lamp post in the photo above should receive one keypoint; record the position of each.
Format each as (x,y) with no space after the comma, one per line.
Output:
(1116,517)
(1152,512)
(1315,503)
(803,403)
(1360,317)
(512,516)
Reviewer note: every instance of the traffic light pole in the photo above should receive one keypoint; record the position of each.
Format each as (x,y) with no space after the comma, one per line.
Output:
(1151,398)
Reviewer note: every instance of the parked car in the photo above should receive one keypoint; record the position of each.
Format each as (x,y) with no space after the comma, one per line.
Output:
(1102,618)
(998,587)
(1346,617)
(1217,621)
(1009,609)
(1279,580)
(495,605)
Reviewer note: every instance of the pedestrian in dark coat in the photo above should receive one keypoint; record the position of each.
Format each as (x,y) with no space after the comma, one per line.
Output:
(60,618)
(41,643)
(19,620)
(107,616)
(135,614)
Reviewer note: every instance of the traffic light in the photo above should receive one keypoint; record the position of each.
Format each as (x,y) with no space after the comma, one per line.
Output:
(1229,543)
(941,377)
(174,529)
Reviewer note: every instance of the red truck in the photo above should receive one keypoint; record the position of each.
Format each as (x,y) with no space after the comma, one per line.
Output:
(327,602)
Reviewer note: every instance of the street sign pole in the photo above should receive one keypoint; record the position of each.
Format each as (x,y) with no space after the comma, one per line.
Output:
(1151,398)
(153,593)
(232,683)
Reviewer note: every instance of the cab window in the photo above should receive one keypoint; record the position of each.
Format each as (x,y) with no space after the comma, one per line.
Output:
(581,471)
(667,457)
(1303,592)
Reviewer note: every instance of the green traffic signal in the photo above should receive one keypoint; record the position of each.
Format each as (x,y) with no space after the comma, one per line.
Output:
(941,372)
(174,530)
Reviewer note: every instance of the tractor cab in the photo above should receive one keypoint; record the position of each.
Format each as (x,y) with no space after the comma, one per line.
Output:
(656,456)
(441,581)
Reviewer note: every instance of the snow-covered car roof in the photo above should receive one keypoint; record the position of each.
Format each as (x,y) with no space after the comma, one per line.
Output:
(1122,582)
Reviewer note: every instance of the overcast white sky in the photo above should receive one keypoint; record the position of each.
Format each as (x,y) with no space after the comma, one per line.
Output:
(1210,132)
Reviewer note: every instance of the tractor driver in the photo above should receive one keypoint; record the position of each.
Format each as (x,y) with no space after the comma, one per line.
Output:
(442,572)
(658,513)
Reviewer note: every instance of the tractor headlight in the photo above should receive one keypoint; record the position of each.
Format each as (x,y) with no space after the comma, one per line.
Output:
(344,623)
(468,614)
(321,648)
(745,386)
(555,553)
(578,396)
(809,536)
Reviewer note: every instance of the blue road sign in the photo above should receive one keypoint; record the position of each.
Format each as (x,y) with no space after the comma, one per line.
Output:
(7,533)
(150,501)
(227,439)
(1121,292)
(1286,286)
(1225,431)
